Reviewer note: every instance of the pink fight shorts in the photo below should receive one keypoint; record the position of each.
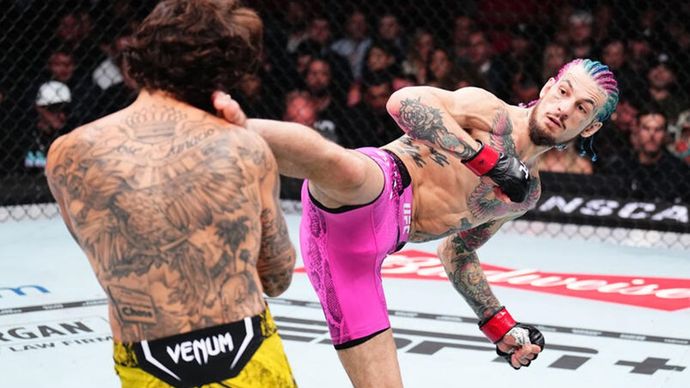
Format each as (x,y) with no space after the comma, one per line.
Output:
(343,250)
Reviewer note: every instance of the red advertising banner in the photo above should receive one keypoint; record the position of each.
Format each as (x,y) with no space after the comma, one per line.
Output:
(669,294)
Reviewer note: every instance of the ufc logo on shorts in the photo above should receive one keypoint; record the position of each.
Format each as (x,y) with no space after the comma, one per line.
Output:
(407,216)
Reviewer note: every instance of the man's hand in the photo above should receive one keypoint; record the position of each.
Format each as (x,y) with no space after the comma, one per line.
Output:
(520,345)
(517,343)
(512,177)
(228,109)
(508,172)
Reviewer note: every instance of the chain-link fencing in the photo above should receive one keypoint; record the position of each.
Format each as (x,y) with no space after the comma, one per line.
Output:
(333,64)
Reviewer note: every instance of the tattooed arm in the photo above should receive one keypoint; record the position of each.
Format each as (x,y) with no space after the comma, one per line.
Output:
(277,256)
(460,260)
(435,116)
(518,344)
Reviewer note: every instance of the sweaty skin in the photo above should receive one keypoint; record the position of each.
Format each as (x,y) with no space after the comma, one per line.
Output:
(178,214)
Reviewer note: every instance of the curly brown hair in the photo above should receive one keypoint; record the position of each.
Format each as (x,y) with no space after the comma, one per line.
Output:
(189,48)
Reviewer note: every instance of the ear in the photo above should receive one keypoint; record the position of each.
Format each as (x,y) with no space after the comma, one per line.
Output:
(591,129)
(547,86)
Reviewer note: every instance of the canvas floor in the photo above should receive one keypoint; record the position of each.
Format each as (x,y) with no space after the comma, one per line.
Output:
(612,316)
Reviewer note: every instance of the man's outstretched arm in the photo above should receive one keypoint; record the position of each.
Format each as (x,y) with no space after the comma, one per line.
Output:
(518,344)
(434,116)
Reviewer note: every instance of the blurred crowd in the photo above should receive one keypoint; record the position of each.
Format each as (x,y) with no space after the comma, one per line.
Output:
(332,65)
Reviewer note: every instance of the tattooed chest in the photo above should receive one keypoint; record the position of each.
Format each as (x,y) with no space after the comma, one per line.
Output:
(483,204)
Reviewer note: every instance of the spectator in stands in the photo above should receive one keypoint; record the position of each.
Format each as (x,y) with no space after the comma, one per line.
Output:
(319,37)
(680,146)
(61,65)
(299,108)
(650,172)
(108,73)
(124,9)
(603,25)
(554,56)
(380,58)
(319,31)
(679,37)
(319,85)
(8,137)
(389,30)
(462,28)
(581,41)
(380,62)
(74,33)
(614,55)
(566,160)
(73,28)
(481,57)
(649,21)
(639,50)
(519,67)
(663,87)
(440,70)
(523,88)
(522,47)
(614,139)
(560,17)
(418,56)
(502,13)
(115,89)
(62,68)
(254,97)
(466,75)
(306,52)
(403,82)
(294,25)
(369,124)
(52,108)
(355,44)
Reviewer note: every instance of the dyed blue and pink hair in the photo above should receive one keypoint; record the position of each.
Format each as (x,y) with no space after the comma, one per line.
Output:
(601,74)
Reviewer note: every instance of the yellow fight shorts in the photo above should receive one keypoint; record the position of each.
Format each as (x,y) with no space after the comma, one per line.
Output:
(247,353)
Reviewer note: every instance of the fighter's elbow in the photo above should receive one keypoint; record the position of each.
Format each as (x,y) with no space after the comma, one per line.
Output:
(276,278)
(396,99)
(277,286)
(393,104)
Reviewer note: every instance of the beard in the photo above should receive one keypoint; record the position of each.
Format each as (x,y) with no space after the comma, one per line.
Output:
(537,133)
(652,152)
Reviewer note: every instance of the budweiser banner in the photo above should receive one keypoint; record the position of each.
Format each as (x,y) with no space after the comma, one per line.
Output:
(668,294)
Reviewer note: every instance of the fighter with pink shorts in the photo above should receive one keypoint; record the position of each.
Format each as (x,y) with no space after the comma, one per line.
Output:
(343,250)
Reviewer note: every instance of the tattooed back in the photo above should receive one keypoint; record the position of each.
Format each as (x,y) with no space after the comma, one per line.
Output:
(169,204)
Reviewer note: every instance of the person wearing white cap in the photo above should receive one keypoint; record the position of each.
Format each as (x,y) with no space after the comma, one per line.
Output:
(52,101)
(53,92)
